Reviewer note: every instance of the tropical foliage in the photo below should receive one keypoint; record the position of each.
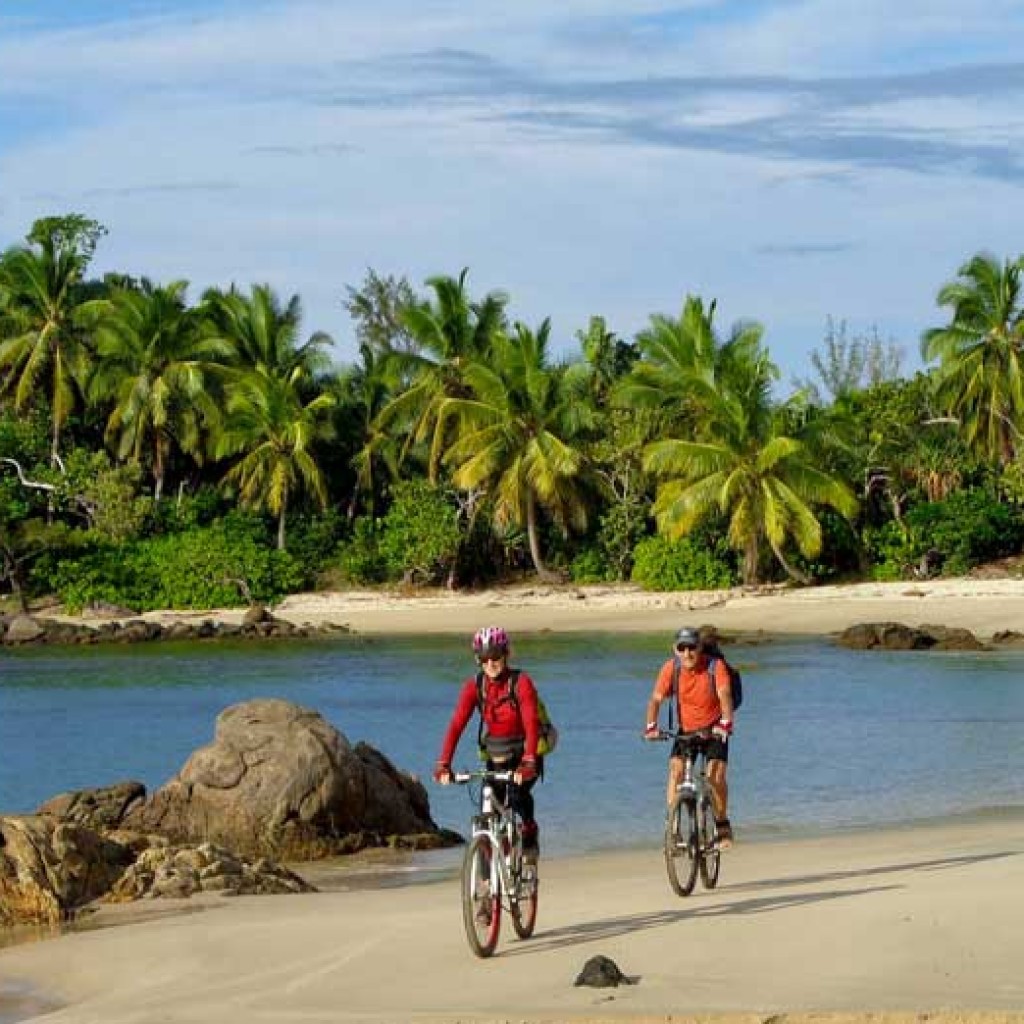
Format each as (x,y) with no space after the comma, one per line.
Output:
(156,451)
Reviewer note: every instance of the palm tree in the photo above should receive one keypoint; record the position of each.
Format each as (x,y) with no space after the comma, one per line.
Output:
(683,363)
(365,390)
(745,465)
(264,333)
(980,353)
(452,335)
(155,364)
(44,345)
(275,430)
(518,436)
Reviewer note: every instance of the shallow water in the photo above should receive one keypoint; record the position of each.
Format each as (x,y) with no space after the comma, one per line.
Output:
(827,739)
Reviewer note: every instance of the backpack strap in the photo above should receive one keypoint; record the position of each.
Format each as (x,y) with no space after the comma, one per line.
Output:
(481,693)
(673,693)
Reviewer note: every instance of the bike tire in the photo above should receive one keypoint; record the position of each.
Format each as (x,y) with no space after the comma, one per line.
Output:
(481,908)
(524,907)
(682,846)
(710,855)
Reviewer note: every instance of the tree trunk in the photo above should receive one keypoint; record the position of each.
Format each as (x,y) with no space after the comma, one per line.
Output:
(750,577)
(791,571)
(280,525)
(533,535)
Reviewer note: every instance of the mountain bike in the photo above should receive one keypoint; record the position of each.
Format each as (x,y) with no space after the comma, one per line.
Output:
(495,875)
(691,834)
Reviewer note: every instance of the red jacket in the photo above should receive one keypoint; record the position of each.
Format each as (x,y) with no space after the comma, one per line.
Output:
(502,720)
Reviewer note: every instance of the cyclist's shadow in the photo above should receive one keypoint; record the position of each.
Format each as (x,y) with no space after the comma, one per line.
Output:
(612,927)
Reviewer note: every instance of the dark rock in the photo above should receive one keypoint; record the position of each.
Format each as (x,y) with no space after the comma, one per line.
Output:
(894,636)
(602,972)
(102,808)
(256,614)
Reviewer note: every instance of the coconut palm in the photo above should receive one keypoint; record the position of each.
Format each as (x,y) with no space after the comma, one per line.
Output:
(519,434)
(275,430)
(155,365)
(263,332)
(452,334)
(980,353)
(746,466)
(683,362)
(44,348)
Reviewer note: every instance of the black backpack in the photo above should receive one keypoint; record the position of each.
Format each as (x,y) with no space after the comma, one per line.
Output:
(735,681)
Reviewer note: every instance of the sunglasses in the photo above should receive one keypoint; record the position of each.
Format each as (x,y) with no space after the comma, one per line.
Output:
(685,647)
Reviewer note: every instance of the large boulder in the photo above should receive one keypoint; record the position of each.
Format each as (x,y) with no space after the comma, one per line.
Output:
(102,808)
(279,780)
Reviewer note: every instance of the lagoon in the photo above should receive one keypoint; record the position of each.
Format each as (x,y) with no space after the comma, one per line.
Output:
(827,739)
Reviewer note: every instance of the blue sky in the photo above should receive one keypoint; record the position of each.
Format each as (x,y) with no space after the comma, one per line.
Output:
(794,160)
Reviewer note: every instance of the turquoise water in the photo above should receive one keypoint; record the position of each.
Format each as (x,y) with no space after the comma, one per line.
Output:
(827,738)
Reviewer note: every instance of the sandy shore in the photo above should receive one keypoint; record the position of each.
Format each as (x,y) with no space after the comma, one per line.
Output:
(983,606)
(873,925)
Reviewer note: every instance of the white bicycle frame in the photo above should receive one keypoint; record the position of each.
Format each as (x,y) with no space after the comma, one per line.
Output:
(496,820)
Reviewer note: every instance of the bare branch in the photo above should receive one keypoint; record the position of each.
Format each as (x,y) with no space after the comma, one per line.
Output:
(37,484)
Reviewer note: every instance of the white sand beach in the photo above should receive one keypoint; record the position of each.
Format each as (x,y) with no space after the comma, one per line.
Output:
(900,925)
(983,606)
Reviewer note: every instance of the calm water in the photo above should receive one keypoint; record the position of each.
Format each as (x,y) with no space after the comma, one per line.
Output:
(826,739)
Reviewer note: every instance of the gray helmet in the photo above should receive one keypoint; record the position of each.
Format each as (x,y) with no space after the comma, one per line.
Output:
(688,637)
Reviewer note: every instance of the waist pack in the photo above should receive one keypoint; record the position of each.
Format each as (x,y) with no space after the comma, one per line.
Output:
(547,738)
(735,680)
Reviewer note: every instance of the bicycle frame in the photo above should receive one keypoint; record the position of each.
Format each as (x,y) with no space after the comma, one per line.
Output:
(497,821)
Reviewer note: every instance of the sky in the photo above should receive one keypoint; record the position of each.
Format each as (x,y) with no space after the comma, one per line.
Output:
(793,159)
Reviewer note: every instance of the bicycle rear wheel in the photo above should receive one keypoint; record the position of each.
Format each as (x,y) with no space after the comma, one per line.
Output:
(524,907)
(710,856)
(681,846)
(481,906)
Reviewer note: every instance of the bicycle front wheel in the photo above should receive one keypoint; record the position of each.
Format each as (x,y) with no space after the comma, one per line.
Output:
(681,846)
(524,907)
(481,896)
(710,855)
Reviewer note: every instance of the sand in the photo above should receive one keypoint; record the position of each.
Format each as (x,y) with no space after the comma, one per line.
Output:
(890,923)
(885,925)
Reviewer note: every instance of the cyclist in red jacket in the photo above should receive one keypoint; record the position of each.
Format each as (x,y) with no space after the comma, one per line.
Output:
(510,726)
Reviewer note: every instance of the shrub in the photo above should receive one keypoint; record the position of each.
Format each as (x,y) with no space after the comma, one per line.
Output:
(420,535)
(663,564)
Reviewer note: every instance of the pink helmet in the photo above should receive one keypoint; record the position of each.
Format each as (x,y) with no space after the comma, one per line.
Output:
(488,639)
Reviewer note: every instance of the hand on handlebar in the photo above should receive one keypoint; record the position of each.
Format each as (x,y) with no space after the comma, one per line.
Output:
(722,729)
(652,732)
(526,772)
(443,773)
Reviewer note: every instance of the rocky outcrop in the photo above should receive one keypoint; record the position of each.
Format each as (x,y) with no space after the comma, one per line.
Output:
(279,780)
(48,868)
(257,623)
(177,872)
(101,809)
(895,636)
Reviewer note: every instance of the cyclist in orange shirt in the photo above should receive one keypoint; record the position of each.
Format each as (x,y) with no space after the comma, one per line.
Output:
(702,703)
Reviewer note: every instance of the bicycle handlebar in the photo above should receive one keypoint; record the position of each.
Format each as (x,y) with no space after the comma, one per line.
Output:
(664,734)
(461,778)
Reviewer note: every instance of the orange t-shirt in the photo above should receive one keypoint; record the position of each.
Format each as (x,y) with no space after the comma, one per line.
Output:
(698,705)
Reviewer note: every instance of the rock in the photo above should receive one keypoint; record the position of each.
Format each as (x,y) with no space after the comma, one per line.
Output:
(23,629)
(256,614)
(602,972)
(894,636)
(49,869)
(101,809)
(280,780)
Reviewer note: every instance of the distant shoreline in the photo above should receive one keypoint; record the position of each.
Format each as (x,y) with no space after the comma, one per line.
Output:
(985,607)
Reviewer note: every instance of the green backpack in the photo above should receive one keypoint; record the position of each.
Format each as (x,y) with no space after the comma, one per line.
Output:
(548,738)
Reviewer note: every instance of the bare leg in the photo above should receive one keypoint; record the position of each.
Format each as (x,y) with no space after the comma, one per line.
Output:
(719,789)
(675,776)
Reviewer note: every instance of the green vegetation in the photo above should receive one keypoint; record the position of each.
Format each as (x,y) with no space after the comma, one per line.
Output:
(159,452)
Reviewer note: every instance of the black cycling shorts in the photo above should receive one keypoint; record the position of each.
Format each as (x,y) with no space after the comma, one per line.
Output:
(714,749)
